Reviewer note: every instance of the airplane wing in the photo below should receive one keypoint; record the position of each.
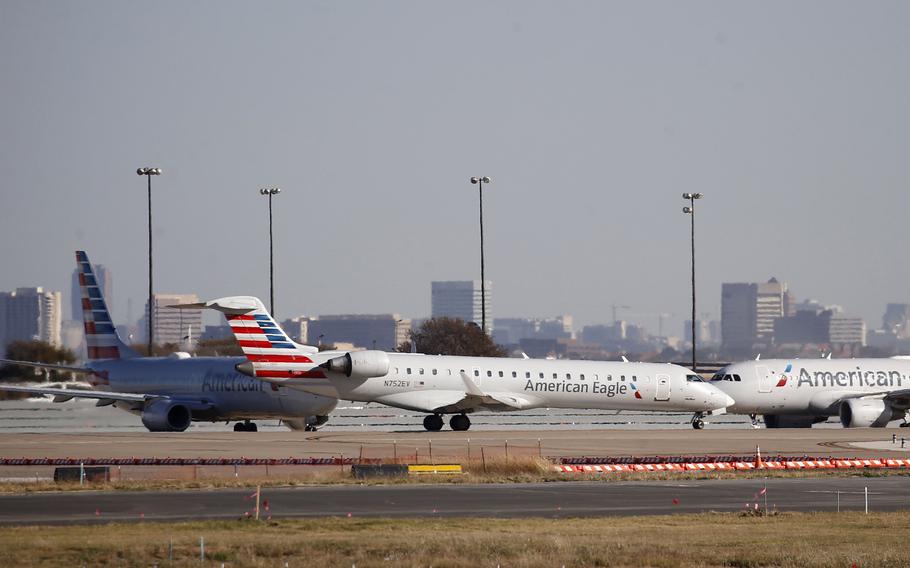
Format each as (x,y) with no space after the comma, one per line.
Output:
(63,395)
(47,366)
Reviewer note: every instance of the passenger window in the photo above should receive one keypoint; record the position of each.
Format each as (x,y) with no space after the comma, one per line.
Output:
(396,370)
(434,371)
(541,375)
(476,373)
(450,372)
(569,376)
(622,378)
(421,370)
(582,376)
(514,375)
(500,374)
(554,375)
(489,373)
(409,370)
(527,374)
(609,377)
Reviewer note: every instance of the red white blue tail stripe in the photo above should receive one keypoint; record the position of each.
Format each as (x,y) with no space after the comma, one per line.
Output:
(267,347)
(101,338)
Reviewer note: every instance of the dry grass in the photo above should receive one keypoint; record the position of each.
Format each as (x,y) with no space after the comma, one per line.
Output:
(811,540)
(499,470)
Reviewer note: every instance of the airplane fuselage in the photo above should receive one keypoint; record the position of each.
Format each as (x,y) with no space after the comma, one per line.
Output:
(415,381)
(795,386)
(231,395)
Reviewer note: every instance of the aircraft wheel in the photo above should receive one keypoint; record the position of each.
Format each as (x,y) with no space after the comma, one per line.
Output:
(251,427)
(698,423)
(240,427)
(460,422)
(433,422)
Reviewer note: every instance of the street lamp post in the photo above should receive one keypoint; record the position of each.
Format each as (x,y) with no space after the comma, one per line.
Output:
(270,192)
(690,210)
(479,181)
(148,173)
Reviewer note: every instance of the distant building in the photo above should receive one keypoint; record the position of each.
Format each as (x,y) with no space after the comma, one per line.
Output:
(897,320)
(104,279)
(461,300)
(748,312)
(820,326)
(384,332)
(171,325)
(704,330)
(510,331)
(30,313)
(843,330)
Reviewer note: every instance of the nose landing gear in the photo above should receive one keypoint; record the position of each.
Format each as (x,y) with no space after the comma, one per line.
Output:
(698,420)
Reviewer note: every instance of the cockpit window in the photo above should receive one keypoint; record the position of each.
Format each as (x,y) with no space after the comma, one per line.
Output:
(736,378)
(718,377)
(725,377)
(694,379)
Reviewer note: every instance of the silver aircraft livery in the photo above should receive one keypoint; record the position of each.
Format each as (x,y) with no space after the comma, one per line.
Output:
(170,392)
(440,385)
(797,393)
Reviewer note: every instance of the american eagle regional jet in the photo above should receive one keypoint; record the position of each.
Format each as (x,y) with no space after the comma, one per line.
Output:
(440,385)
(168,393)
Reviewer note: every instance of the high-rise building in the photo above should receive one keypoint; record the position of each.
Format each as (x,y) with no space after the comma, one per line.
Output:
(461,299)
(30,313)
(748,312)
(103,277)
(897,320)
(172,325)
(384,332)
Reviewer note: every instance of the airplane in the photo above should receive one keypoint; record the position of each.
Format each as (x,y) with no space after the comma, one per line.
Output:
(440,385)
(168,393)
(795,393)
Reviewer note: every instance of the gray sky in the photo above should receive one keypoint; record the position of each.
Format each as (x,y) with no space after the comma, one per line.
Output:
(591,117)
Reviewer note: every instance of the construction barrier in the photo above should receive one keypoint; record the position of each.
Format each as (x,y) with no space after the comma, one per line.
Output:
(184,461)
(734,466)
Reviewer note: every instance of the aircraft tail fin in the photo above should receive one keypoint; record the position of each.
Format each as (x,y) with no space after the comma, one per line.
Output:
(101,339)
(269,350)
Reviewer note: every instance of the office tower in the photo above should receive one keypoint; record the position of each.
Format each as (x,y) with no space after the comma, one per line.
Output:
(461,299)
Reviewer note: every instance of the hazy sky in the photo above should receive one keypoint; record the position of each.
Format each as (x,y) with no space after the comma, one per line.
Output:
(591,117)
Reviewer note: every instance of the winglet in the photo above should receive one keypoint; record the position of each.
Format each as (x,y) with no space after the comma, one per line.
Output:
(624,360)
(469,386)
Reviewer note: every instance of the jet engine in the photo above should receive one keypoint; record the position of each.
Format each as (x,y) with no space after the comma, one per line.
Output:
(308,423)
(359,364)
(791,421)
(166,416)
(860,413)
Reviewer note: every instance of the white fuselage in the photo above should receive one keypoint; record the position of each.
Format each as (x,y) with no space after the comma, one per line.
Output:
(803,387)
(424,382)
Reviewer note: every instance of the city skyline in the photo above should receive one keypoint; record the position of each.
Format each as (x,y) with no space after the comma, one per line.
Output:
(592,119)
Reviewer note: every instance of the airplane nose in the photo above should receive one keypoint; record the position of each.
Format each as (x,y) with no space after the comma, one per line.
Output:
(730,401)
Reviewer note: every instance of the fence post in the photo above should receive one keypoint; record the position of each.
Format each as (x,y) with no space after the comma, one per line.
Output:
(539,449)
(258,493)
(430,444)
(507,449)
(866,495)
(483,459)
(201,548)
(469,449)
(395,450)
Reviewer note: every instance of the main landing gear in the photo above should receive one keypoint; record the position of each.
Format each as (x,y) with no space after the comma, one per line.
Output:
(755,422)
(245,426)
(458,422)
(698,420)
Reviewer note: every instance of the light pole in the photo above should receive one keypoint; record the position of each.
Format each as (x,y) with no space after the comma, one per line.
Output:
(270,192)
(479,181)
(148,173)
(690,210)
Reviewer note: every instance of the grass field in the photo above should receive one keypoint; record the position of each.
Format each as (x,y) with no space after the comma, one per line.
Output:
(792,539)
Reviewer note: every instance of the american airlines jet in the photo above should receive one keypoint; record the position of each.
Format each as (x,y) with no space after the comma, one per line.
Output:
(170,392)
(440,385)
(797,393)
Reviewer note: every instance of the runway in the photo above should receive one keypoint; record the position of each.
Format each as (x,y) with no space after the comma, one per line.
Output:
(549,500)
(554,442)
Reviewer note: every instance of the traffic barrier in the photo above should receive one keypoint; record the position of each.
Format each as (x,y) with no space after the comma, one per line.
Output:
(732,466)
(443,469)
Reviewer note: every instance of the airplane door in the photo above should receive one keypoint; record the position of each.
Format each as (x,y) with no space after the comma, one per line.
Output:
(764,378)
(663,388)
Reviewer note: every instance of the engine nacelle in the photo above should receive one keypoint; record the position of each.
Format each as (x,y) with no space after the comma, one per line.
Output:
(166,416)
(791,421)
(359,364)
(859,413)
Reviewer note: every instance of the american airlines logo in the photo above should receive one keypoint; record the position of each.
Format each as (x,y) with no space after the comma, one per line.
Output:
(850,378)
